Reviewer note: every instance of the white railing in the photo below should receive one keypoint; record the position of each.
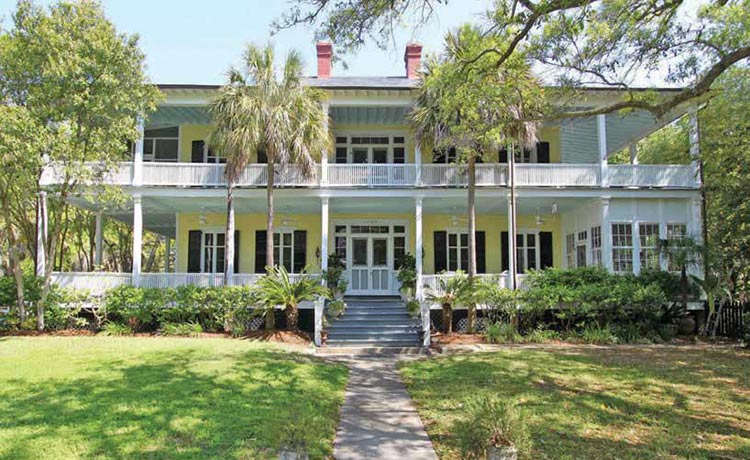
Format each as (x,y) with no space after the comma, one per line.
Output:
(372,175)
(652,176)
(94,282)
(394,175)
(117,174)
(557,175)
(433,284)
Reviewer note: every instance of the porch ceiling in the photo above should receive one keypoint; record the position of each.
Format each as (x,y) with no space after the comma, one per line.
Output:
(388,115)
(167,115)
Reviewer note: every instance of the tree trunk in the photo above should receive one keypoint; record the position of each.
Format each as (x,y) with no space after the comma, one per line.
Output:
(270,315)
(472,311)
(684,286)
(229,238)
(447,318)
(292,317)
(15,259)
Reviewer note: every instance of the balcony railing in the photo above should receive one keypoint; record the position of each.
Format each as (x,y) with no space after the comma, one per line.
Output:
(395,175)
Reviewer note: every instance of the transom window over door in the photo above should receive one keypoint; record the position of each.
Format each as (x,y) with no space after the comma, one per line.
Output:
(370,149)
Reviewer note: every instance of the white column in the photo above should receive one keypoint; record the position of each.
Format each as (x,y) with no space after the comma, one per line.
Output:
(601,131)
(636,246)
(424,307)
(695,144)
(41,234)
(511,241)
(324,234)
(176,242)
(167,253)
(229,246)
(98,241)
(319,304)
(137,238)
(324,158)
(606,235)
(633,148)
(418,161)
(138,156)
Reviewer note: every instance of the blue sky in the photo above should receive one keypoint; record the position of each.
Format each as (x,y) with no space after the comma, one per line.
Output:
(192,41)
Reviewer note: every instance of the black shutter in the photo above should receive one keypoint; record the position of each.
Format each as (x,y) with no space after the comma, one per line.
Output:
(505,260)
(441,254)
(300,251)
(260,251)
(542,152)
(236,251)
(196,152)
(503,155)
(545,249)
(262,157)
(194,251)
(481,257)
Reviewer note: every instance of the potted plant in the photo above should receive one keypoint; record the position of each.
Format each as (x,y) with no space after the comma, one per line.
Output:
(407,276)
(334,276)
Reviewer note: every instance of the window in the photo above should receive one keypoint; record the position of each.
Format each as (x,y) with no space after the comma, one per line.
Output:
(526,252)
(213,252)
(596,246)
(570,249)
(283,249)
(648,235)
(622,247)
(161,144)
(370,149)
(458,251)
(399,245)
(581,249)
(675,232)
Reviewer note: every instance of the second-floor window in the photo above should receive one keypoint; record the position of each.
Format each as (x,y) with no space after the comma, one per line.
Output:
(372,149)
(161,144)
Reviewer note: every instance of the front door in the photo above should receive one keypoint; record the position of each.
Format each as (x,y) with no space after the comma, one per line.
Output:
(370,267)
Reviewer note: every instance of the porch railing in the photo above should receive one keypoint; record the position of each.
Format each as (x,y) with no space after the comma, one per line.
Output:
(392,175)
(434,283)
(94,282)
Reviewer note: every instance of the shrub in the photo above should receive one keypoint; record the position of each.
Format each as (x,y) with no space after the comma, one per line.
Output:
(541,336)
(116,329)
(334,276)
(502,333)
(413,308)
(491,422)
(182,329)
(336,308)
(746,330)
(407,273)
(600,335)
(500,303)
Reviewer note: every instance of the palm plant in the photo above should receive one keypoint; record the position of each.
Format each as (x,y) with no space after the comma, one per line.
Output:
(451,292)
(683,253)
(265,109)
(277,288)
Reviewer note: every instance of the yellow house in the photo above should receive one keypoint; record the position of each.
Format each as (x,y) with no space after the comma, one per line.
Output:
(376,196)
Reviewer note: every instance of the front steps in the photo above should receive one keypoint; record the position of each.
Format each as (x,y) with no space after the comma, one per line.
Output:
(374,322)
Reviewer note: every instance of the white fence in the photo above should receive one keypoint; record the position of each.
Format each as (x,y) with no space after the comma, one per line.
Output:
(94,282)
(391,175)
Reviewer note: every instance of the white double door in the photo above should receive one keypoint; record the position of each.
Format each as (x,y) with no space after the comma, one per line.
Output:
(370,265)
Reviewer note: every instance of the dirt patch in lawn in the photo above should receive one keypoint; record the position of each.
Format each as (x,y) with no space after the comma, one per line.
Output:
(277,336)
(457,339)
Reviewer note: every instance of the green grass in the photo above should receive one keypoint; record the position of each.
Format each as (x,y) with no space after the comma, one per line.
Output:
(593,403)
(162,398)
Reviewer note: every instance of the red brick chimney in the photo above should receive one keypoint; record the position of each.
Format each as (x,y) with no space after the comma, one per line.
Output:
(325,53)
(413,60)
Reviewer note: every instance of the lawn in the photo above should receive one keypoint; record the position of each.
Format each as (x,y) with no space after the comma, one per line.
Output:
(159,398)
(595,403)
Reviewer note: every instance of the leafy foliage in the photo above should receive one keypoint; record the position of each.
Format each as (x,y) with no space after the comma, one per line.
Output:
(491,421)
(277,289)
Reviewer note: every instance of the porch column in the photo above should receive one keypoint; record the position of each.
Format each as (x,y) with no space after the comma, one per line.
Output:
(138,156)
(606,235)
(418,162)
(633,149)
(229,246)
(511,241)
(98,242)
(324,234)
(601,132)
(167,254)
(41,234)
(424,308)
(636,245)
(137,238)
(324,158)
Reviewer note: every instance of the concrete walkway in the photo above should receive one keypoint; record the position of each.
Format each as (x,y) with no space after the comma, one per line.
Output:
(378,420)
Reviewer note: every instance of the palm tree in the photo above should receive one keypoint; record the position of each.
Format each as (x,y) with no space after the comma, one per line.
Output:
(265,109)
(451,291)
(276,288)
(442,125)
(683,253)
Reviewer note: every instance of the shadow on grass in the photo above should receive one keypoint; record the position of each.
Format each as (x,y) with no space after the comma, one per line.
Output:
(590,403)
(178,404)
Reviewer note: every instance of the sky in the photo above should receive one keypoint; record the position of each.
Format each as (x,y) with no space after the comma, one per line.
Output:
(193,41)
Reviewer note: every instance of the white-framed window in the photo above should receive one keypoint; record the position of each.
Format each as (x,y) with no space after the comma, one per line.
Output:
(458,251)
(622,247)
(370,149)
(212,251)
(283,249)
(596,246)
(161,144)
(570,249)
(675,231)
(648,235)
(581,248)
(527,251)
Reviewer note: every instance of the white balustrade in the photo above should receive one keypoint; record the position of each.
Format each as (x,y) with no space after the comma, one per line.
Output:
(433,284)
(94,282)
(557,175)
(116,174)
(372,175)
(652,176)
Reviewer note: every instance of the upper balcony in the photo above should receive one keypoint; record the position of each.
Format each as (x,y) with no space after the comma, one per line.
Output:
(402,176)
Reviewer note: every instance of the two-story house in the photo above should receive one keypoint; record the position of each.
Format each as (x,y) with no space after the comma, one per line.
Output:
(376,196)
